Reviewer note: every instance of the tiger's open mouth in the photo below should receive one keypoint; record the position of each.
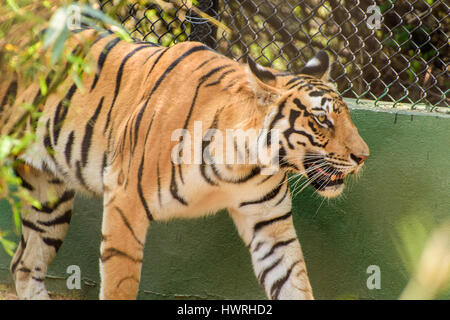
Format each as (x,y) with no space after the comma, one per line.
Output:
(322,175)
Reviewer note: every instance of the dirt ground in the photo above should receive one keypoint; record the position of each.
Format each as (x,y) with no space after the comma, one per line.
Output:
(7,293)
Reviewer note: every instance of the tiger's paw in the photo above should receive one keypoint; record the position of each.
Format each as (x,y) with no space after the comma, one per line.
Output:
(32,290)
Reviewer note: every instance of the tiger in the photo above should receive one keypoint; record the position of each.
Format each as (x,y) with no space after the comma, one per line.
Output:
(114,140)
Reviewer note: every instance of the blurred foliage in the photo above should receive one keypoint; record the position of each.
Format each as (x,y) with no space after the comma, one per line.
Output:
(425,251)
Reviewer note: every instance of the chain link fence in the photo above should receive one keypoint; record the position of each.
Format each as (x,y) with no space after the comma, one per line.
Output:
(398,54)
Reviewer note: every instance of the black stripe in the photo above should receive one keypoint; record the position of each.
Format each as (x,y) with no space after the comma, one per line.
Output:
(174,188)
(38,96)
(255,171)
(295,84)
(292,80)
(277,117)
(174,64)
(113,252)
(205,176)
(79,175)
(101,36)
(140,171)
(258,246)
(89,130)
(55,181)
(220,78)
(37,279)
(276,287)
(128,225)
(308,87)
(269,196)
(265,223)
(324,100)
(152,54)
(265,179)
(130,134)
(282,160)
(31,225)
(205,77)
(68,148)
(24,269)
(119,80)
(121,144)
(47,141)
(205,145)
(64,218)
(101,59)
(163,76)
(312,127)
(284,195)
(205,62)
(293,116)
(159,182)
(9,96)
(276,246)
(25,184)
(316,93)
(55,243)
(201,81)
(137,125)
(127,278)
(104,164)
(302,107)
(262,275)
(155,62)
(21,249)
(49,207)
(61,113)
(310,138)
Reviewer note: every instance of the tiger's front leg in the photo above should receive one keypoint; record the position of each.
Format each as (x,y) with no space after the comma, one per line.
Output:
(124,228)
(268,232)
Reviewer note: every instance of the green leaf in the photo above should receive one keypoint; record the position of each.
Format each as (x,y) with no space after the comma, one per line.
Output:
(13,5)
(43,85)
(57,25)
(6,145)
(97,14)
(8,245)
(17,220)
(59,46)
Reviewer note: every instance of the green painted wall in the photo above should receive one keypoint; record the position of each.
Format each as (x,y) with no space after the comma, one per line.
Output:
(407,178)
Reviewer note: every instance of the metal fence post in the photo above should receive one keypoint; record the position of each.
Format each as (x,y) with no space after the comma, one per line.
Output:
(201,29)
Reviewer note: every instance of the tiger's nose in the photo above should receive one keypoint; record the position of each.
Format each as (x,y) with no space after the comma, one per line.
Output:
(360,158)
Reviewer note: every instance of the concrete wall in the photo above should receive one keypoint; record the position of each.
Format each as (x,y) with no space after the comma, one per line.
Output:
(407,178)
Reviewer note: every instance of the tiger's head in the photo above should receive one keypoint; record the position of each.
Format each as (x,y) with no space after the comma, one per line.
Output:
(317,136)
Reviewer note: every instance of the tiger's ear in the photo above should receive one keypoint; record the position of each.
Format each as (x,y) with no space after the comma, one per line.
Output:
(262,83)
(318,67)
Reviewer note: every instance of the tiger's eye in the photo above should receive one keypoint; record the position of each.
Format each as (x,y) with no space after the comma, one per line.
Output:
(322,118)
